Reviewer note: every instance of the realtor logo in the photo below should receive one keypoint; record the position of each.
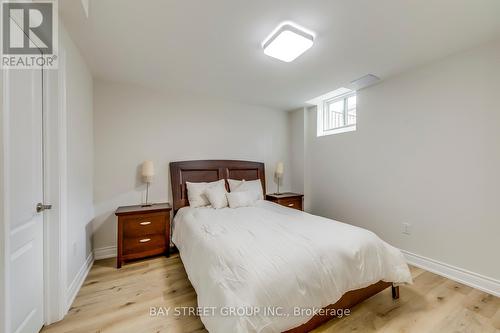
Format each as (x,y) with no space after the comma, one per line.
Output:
(29,34)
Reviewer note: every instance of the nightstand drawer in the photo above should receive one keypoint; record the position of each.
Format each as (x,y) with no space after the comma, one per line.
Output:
(148,224)
(287,199)
(143,244)
(295,203)
(143,231)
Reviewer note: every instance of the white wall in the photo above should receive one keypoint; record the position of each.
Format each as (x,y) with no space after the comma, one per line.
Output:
(132,124)
(80,155)
(426,152)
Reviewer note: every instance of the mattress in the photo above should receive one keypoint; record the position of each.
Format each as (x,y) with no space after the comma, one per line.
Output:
(268,268)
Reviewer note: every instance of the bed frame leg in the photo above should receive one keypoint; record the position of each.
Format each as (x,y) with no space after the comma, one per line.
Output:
(395,292)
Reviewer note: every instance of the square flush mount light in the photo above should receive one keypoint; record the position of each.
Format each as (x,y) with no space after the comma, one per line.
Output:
(288,41)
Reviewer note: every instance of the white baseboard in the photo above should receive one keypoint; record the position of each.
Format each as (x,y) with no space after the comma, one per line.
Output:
(77,282)
(105,252)
(474,280)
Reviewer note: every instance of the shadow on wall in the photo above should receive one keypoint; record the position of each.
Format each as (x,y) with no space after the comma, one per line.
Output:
(104,230)
(89,236)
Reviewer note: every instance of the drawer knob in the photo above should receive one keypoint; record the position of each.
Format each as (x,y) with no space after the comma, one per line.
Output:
(145,240)
(145,223)
(290,205)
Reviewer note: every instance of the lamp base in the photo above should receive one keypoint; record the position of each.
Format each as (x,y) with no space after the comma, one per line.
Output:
(147,204)
(278,188)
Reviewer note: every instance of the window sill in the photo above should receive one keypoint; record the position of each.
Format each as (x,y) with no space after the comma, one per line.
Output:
(337,131)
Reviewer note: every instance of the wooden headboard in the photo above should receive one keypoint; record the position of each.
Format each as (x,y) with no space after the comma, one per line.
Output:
(209,171)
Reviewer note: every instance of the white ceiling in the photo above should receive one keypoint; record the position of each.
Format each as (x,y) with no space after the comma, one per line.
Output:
(212,47)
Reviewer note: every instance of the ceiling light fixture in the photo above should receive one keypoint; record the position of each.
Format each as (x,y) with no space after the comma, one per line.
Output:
(288,41)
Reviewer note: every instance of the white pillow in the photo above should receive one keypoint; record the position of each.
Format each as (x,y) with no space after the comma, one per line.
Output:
(196,192)
(254,186)
(216,195)
(241,199)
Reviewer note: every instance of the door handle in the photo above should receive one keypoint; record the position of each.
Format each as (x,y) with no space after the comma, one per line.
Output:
(40,207)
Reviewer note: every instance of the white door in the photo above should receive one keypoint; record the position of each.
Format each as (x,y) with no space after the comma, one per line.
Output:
(24,189)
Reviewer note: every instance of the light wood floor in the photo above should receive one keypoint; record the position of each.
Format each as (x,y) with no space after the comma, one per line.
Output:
(114,300)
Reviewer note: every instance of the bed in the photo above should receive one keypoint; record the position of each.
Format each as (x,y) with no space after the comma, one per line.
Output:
(268,268)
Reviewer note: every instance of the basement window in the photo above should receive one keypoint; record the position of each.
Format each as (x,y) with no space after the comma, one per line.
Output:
(336,112)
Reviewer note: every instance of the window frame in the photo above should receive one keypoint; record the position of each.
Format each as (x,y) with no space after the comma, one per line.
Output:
(324,115)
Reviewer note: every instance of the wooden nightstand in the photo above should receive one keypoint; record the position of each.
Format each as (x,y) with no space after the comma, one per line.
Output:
(288,199)
(143,231)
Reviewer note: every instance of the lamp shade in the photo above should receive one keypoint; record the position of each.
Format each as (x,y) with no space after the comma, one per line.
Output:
(148,170)
(280,169)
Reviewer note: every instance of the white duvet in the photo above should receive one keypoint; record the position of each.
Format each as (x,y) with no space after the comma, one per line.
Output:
(272,258)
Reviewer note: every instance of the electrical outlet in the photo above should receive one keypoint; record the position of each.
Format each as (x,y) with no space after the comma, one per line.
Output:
(406,228)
